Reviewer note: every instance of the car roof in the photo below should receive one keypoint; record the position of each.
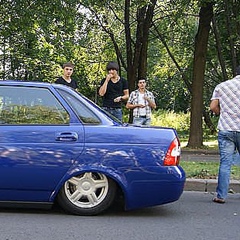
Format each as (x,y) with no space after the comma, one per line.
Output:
(33,84)
(24,83)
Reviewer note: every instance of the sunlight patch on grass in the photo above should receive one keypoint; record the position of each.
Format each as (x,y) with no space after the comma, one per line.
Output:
(211,145)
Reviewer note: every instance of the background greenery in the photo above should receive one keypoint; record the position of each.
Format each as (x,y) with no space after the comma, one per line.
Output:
(181,121)
(154,38)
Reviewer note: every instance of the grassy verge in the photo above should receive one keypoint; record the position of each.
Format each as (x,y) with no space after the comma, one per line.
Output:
(206,170)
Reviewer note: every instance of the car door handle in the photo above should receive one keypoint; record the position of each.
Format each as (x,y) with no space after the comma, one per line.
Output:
(67,136)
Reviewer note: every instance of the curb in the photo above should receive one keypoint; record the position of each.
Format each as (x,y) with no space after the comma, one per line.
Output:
(209,185)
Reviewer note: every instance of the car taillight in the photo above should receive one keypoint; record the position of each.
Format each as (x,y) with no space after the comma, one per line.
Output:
(172,157)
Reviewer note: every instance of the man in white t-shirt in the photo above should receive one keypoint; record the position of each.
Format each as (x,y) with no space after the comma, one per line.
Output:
(142,102)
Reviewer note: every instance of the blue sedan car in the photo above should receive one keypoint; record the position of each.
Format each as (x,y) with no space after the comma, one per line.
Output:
(58,146)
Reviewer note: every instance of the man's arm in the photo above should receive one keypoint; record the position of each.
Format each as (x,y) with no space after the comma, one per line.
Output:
(103,88)
(214,106)
(130,105)
(151,103)
(126,95)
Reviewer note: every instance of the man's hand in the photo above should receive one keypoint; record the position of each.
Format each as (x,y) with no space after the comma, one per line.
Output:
(118,99)
(109,76)
(141,106)
(214,106)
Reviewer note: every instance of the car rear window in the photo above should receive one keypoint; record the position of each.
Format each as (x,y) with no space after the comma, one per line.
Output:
(30,105)
(82,111)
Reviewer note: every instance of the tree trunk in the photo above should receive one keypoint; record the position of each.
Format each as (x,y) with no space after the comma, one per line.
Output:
(137,54)
(206,116)
(145,29)
(131,71)
(201,41)
(229,14)
(219,49)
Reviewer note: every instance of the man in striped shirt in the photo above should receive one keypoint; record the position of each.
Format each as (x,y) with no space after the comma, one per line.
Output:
(225,102)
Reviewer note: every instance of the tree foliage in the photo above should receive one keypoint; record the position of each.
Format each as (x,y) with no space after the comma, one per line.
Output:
(149,38)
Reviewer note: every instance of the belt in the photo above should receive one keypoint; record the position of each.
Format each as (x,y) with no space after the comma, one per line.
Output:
(143,116)
(111,108)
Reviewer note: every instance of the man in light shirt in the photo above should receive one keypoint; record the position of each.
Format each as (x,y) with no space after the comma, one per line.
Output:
(225,102)
(142,102)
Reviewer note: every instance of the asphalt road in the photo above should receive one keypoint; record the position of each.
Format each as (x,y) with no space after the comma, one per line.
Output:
(193,217)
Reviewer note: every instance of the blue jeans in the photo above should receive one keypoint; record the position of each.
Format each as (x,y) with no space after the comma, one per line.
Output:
(116,112)
(141,121)
(229,142)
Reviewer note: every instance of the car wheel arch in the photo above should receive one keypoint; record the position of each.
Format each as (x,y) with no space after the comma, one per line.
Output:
(118,178)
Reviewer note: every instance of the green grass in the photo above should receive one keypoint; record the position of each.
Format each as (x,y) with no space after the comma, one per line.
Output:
(206,170)
(208,145)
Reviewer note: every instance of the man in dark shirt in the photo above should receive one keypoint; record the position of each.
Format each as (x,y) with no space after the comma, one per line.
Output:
(114,90)
(66,78)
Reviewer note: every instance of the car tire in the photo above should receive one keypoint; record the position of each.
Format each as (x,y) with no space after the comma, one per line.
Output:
(89,193)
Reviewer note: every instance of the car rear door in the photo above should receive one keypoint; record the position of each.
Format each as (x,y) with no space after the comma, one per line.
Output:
(38,142)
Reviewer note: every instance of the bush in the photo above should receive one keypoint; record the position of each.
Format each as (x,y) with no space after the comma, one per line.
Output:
(165,118)
(178,120)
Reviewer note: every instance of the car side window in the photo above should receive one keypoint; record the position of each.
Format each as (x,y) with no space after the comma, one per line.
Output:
(84,113)
(30,105)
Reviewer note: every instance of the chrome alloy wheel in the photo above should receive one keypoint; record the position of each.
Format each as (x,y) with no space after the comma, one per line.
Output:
(87,190)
